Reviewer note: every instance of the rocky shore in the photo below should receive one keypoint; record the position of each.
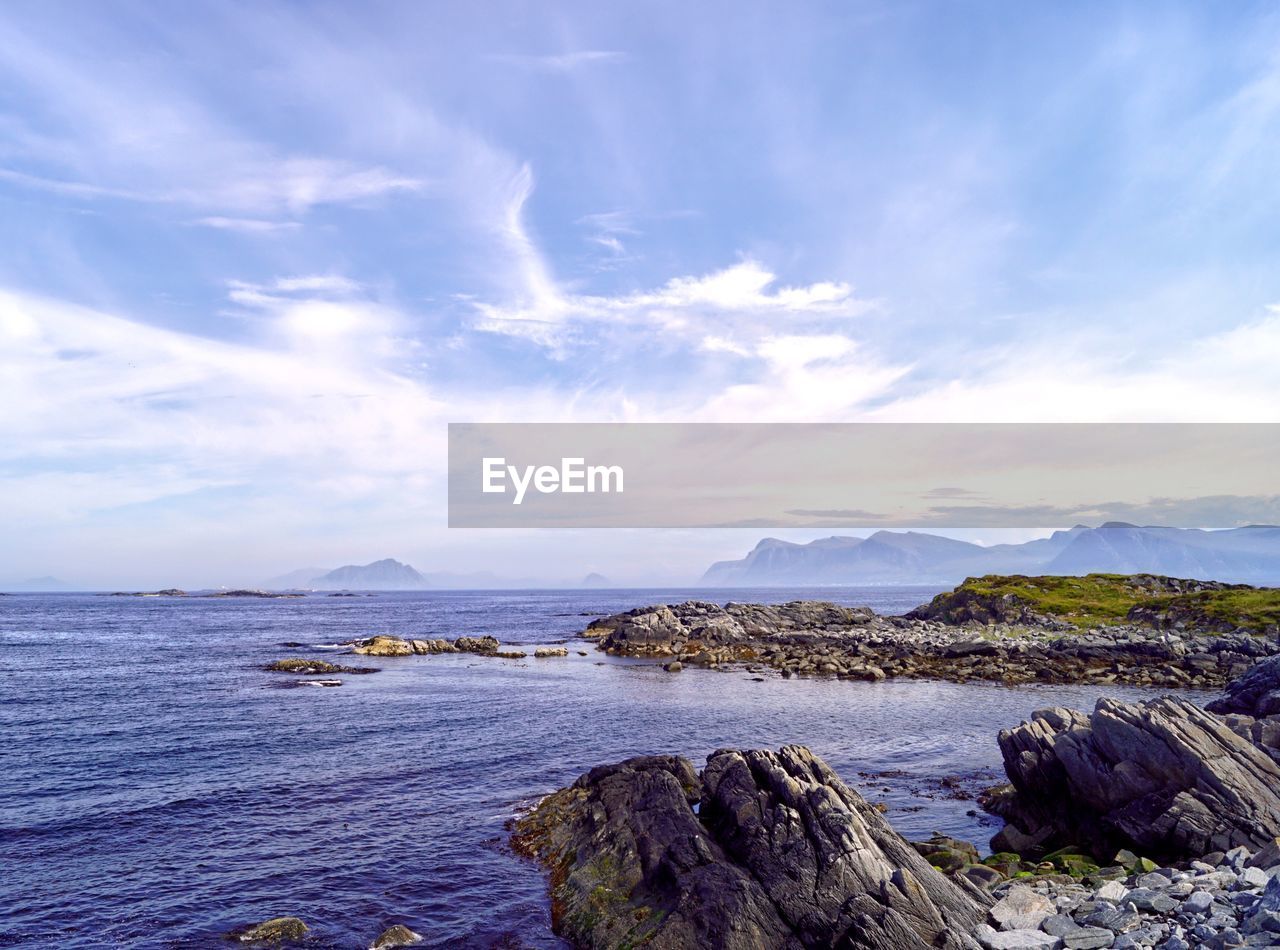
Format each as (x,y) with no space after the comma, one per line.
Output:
(1003,641)
(1153,824)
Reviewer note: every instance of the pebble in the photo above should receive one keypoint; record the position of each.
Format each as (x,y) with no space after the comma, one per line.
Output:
(1222,901)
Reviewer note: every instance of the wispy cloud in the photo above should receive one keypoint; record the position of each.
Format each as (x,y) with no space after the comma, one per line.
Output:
(246,225)
(560,62)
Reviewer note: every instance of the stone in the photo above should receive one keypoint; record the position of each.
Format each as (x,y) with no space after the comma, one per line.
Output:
(546,652)
(397,935)
(1267,857)
(1015,939)
(1254,877)
(1198,903)
(1088,938)
(304,667)
(779,853)
(1113,891)
(1143,898)
(275,930)
(675,666)
(1021,908)
(1059,925)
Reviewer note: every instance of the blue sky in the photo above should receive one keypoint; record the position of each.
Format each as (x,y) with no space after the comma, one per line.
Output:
(256,255)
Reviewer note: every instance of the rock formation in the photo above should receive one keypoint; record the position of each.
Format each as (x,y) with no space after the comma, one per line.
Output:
(1163,777)
(818,638)
(763,850)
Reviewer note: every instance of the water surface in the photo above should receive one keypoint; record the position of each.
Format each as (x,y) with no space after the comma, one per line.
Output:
(158,788)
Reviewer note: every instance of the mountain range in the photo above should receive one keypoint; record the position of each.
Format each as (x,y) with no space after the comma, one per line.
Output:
(390,574)
(1240,555)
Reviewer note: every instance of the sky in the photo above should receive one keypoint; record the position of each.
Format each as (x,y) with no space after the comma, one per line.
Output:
(254,257)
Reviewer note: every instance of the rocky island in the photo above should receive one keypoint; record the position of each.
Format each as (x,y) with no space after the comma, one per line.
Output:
(1143,630)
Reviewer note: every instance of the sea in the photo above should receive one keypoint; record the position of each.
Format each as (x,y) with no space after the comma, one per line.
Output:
(159,788)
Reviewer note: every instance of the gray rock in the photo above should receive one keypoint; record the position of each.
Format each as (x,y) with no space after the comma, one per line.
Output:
(1113,891)
(1059,925)
(1021,908)
(1198,903)
(1254,877)
(1162,777)
(1088,938)
(1015,939)
(779,854)
(1144,898)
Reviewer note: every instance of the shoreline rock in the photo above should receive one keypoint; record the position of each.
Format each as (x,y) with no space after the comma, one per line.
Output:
(810,638)
(761,850)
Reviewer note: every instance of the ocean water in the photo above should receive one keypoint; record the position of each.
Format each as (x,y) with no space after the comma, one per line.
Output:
(159,788)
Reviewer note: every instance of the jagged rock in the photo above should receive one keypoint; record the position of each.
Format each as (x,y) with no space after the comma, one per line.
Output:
(1163,777)
(779,854)
(383,645)
(276,930)
(397,935)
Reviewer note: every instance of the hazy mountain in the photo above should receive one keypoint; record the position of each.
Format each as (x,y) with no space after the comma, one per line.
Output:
(1246,555)
(302,579)
(387,574)
(594,580)
(41,585)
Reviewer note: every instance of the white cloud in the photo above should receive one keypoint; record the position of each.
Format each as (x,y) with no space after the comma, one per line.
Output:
(246,225)
(560,62)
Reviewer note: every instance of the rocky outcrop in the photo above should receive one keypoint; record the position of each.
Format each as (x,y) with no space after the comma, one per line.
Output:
(1163,777)
(303,667)
(481,645)
(546,652)
(817,638)
(662,630)
(276,930)
(778,853)
(383,645)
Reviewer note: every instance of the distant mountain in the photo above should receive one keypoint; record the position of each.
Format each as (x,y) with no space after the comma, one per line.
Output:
(594,580)
(301,579)
(42,585)
(387,574)
(1240,555)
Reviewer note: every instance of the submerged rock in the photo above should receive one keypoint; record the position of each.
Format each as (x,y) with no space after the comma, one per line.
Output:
(395,936)
(779,853)
(1164,777)
(276,930)
(303,667)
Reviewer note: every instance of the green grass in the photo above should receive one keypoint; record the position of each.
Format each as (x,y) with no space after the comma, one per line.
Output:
(1103,599)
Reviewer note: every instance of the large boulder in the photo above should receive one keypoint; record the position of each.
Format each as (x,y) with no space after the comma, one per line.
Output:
(1164,778)
(779,853)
